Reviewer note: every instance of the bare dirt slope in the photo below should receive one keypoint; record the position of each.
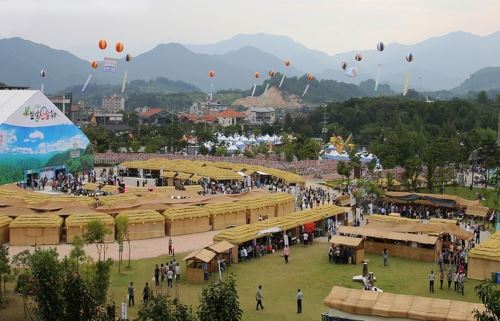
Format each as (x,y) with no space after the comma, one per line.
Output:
(272,98)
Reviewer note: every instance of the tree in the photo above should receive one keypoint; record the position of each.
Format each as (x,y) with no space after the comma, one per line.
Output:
(220,302)
(4,268)
(159,308)
(77,253)
(344,169)
(490,296)
(390,181)
(79,303)
(121,232)
(482,97)
(413,167)
(95,233)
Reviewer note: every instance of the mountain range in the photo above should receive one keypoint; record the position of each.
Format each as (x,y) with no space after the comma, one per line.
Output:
(440,63)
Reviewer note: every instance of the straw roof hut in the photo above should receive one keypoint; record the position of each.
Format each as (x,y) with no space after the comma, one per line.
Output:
(187,220)
(388,305)
(76,225)
(223,215)
(144,224)
(484,259)
(4,228)
(35,229)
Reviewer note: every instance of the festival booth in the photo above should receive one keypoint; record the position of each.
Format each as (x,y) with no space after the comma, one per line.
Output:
(285,203)
(343,200)
(354,245)
(187,220)
(478,211)
(224,250)
(198,265)
(14,212)
(35,230)
(406,245)
(144,224)
(76,225)
(258,209)
(224,215)
(270,233)
(349,304)
(4,228)
(484,259)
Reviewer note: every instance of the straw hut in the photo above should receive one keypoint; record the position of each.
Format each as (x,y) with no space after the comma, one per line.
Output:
(406,245)
(259,209)
(76,225)
(144,224)
(197,265)
(285,203)
(4,228)
(224,250)
(484,259)
(477,211)
(350,303)
(224,215)
(343,200)
(355,244)
(16,211)
(35,229)
(187,220)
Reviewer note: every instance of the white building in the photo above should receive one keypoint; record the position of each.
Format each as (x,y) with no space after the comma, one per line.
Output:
(260,115)
(114,102)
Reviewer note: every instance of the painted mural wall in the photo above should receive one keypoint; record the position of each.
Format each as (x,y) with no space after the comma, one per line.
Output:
(37,136)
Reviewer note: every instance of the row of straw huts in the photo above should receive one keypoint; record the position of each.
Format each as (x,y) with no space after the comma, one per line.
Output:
(49,227)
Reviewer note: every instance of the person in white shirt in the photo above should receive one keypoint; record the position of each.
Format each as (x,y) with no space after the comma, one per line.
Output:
(305,237)
(170,276)
(177,273)
(299,301)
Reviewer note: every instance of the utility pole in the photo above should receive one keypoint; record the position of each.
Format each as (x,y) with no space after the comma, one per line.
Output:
(323,129)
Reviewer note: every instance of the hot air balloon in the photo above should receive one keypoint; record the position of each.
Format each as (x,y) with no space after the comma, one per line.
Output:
(119,46)
(257,74)
(211,74)
(128,57)
(42,73)
(271,73)
(94,64)
(102,44)
(409,57)
(287,63)
(343,64)
(380,46)
(406,83)
(310,77)
(358,57)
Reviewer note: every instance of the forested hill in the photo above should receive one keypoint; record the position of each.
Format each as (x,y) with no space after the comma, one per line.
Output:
(399,129)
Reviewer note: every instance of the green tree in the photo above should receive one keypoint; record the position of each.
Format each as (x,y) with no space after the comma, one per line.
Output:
(220,301)
(489,294)
(78,301)
(95,233)
(413,168)
(390,180)
(482,97)
(77,253)
(121,233)
(4,268)
(159,308)
(344,169)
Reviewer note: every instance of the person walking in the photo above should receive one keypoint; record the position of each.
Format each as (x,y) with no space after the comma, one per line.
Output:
(385,254)
(299,301)
(286,253)
(305,238)
(450,278)
(455,280)
(431,282)
(157,275)
(441,279)
(163,272)
(145,293)
(170,277)
(461,283)
(131,294)
(170,246)
(258,298)
(177,273)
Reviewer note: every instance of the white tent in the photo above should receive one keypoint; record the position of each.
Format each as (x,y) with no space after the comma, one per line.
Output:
(37,139)
(232,149)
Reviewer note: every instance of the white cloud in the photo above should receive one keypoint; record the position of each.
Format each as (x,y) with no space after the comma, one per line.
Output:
(7,138)
(36,135)
(78,141)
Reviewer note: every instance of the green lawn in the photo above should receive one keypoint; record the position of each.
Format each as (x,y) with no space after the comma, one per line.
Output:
(467,193)
(334,183)
(308,269)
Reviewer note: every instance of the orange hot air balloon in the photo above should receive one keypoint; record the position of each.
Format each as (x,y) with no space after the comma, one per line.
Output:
(102,44)
(310,77)
(257,74)
(287,63)
(211,74)
(94,64)
(119,47)
(272,73)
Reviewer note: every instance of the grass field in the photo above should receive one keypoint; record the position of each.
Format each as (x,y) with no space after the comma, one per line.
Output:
(467,193)
(308,269)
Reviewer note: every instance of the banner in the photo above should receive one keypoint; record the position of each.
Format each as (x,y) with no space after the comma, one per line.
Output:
(109,65)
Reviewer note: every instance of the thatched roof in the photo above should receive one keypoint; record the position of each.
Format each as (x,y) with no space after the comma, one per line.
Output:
(84,219)
(142,216)
(346,241)
(187,212)
(202,255)
(386,304)
(381,234)
(487,250)
(4,220)
(220,247)
(435,199)
(224,208)
(37,220)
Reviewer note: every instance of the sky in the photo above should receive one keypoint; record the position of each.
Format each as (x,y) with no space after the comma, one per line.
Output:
(331,26)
